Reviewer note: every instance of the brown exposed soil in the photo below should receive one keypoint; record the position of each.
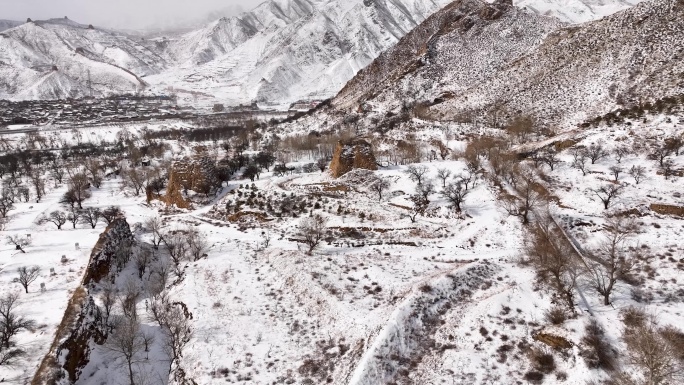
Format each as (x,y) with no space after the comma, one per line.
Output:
(554,341)
(677,211)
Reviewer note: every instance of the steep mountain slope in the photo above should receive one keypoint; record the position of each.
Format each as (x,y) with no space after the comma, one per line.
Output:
(578,73)
(462,61)
(57,58)
(287,50)
(462,45)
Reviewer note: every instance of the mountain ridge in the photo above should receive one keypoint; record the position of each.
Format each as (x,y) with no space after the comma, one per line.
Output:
(280,52)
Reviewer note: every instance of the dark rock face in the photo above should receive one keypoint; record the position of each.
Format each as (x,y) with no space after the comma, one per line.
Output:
(351,155)
(83,321)
(114,237)
(75,351)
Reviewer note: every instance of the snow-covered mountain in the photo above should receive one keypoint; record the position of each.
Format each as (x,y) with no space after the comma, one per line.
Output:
(487,60)
(280,52)
(60,58)
(286,50)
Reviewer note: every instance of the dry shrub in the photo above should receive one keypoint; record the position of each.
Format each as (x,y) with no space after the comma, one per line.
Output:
(534,377)
(633,317)
(556,315)
(675,337)
(597,352)
(542,361)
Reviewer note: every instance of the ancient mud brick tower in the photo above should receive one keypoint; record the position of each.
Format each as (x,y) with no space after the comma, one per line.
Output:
(356,153)
(197,174)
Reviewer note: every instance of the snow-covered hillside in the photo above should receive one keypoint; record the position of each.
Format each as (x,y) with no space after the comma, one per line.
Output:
(493,61)
(60,58)
(286,50)
(278,53)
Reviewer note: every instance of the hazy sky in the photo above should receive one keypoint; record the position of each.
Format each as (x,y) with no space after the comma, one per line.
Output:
(133,14)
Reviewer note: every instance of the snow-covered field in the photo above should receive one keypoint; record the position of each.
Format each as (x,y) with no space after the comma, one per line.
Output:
(384,299)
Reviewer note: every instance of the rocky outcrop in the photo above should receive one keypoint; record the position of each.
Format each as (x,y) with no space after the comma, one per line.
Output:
(83,321)
(117,236)
(351,155)
(74,352)
(197,174)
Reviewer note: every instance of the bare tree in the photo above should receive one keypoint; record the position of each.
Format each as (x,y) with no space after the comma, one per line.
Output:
(311,231)
(111,213)
(661,152)
(94,169)
(596,152)
(108,298)
(6,205)
(668,168)
(24,193)
(656,357)
(638,173)
(550,158)
(521,127)
(177,246)
(27,275)
(74,216)
(417,173)
(57,172)
(443,174)
(128,299)
(154,225)
(579,155)
(159,276)
(197,244)
(554,260)
(57,217)
(607,193)
(90,216)
(10,324)
(125,342)
(142,260)
(38,183)
(455,193)
(527,199)
(134,178)
(620,152)
(611,261)
(78,189)
(379,186)
(421,200)
(616,171)
(19,242)
(174,319)
(675,144)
